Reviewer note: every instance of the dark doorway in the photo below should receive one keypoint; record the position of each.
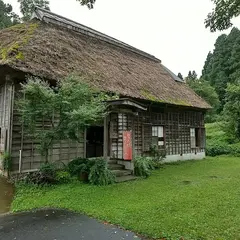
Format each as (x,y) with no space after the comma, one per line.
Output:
(95,141)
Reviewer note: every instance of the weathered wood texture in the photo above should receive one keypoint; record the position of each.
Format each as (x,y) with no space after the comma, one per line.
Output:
(6,96)
(62,151)
(119,122)
(176,124)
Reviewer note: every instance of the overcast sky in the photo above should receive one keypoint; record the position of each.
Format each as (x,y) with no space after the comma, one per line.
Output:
(171,30)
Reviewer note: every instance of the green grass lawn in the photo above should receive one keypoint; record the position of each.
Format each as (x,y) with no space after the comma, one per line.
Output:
(194,200)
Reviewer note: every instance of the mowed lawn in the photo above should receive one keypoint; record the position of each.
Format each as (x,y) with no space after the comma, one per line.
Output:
(193,200)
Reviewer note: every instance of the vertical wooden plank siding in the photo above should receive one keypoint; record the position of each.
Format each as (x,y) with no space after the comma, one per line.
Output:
(176,125)
(62,151)
(6,96)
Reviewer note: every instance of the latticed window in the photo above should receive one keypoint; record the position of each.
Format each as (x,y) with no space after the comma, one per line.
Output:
(195,137)
(158,135)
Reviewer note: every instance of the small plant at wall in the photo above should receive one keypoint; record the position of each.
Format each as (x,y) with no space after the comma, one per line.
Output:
(44,176)
(48,174)
(64,111)
(77,166)
(63,177)
(157,155)
(143,166)
(100,174)
(80,167)
(7,162)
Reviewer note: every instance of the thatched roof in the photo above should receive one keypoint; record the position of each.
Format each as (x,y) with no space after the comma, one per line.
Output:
(53,47)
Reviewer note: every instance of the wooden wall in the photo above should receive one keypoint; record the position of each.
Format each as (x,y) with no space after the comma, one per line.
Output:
(6,96)
(177,124)
(30,157)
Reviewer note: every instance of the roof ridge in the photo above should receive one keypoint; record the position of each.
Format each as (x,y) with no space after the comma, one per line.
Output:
(50,17)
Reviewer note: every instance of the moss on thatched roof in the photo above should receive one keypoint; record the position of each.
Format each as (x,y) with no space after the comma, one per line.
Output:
(53,52)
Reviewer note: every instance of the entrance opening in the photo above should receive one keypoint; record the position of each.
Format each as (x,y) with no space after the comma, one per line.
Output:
(95,139)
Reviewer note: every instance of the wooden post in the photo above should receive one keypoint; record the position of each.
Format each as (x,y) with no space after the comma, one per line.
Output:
(11,116)
(143,138)
(9,104)
(133,139)
(105,143)
(85,143)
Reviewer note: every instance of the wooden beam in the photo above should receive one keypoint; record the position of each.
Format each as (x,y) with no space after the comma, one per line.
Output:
(105,143)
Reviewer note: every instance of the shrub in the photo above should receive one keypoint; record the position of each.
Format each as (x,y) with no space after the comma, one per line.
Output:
(7,162)
(77,166)
(143,166)
(45,175)
(157,155)
(49,168)
(222,149)
(219,142)
(63,177)
(99,173)
(40,178)
(218,149)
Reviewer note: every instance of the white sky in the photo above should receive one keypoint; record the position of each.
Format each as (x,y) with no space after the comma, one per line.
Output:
(171,30)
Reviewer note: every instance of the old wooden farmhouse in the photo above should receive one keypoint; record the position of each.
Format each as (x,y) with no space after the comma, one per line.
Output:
(155,106)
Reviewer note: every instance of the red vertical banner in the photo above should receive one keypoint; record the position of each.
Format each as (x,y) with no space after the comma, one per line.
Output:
(127,145)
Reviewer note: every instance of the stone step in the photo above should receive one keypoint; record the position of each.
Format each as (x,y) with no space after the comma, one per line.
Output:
(112,161)
(120,173)
(115,166)
(126,178)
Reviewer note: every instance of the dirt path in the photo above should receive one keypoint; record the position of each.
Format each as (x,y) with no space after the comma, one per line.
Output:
(6,195)
(58,225)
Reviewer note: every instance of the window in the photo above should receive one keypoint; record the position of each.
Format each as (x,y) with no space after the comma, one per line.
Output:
(195,137)
(158,135)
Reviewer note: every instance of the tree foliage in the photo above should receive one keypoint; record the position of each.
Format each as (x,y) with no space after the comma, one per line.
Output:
(180,76)
(66,110)
(222,66)
(221,16)
(27,7)
(222,72)
(7,16)
(207,92)
(232,110)
(88,3)
(192,75)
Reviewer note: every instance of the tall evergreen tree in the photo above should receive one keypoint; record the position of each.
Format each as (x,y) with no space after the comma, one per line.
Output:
(192,76)
(223,66)
(234,60)
(216,71)
(180,76)
(207,66)
(27,7)
(232,110)
(7,16)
